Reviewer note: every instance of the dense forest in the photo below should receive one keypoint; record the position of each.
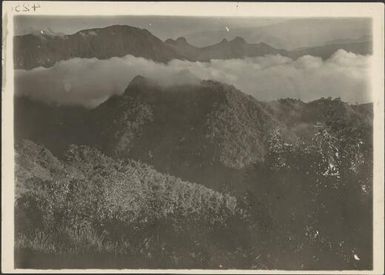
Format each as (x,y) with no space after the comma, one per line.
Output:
(194,177)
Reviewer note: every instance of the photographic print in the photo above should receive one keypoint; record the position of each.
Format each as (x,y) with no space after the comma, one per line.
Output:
(174,141)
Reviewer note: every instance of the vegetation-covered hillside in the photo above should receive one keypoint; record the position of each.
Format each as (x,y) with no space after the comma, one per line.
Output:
(206,133)
(307,205)
(88,203)
(132,181)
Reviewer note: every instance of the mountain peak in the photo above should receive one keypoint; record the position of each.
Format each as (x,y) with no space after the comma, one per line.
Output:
(112,29)
(181,40)
(138,80)
(224,41)
(238,40)
(120,27)
(219,86)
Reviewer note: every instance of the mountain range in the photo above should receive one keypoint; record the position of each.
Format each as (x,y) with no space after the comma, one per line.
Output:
(289,34)
(45,49)
(236,48)
(204,133)
(193,175)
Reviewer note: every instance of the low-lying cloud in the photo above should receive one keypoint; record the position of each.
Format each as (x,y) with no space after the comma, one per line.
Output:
(91,81)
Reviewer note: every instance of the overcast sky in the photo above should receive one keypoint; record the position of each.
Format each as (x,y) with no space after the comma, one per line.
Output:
(162,26)
(202,31)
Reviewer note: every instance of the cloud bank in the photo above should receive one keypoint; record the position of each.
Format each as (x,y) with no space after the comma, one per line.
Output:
(89,82)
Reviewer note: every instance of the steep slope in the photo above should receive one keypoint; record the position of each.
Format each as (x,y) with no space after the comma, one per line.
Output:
(206,133)
(210,127)
(207,123)
(89,204)
(87,165)
(44,49)
(84,206)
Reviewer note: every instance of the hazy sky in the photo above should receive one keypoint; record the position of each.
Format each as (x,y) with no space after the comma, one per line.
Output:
(202,31)
(162,26)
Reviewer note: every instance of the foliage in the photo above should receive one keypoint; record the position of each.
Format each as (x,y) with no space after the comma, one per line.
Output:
(95,204)
(318,195)
(301,195)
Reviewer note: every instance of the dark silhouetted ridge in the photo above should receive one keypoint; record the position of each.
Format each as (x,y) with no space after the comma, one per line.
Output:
(102,43)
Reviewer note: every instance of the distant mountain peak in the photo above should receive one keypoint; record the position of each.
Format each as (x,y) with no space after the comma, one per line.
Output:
(169,41)
(181,40)
(119,27)
(112,29)
(238,40)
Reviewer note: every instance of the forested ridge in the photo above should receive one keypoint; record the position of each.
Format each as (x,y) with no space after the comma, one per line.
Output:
(199,176)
